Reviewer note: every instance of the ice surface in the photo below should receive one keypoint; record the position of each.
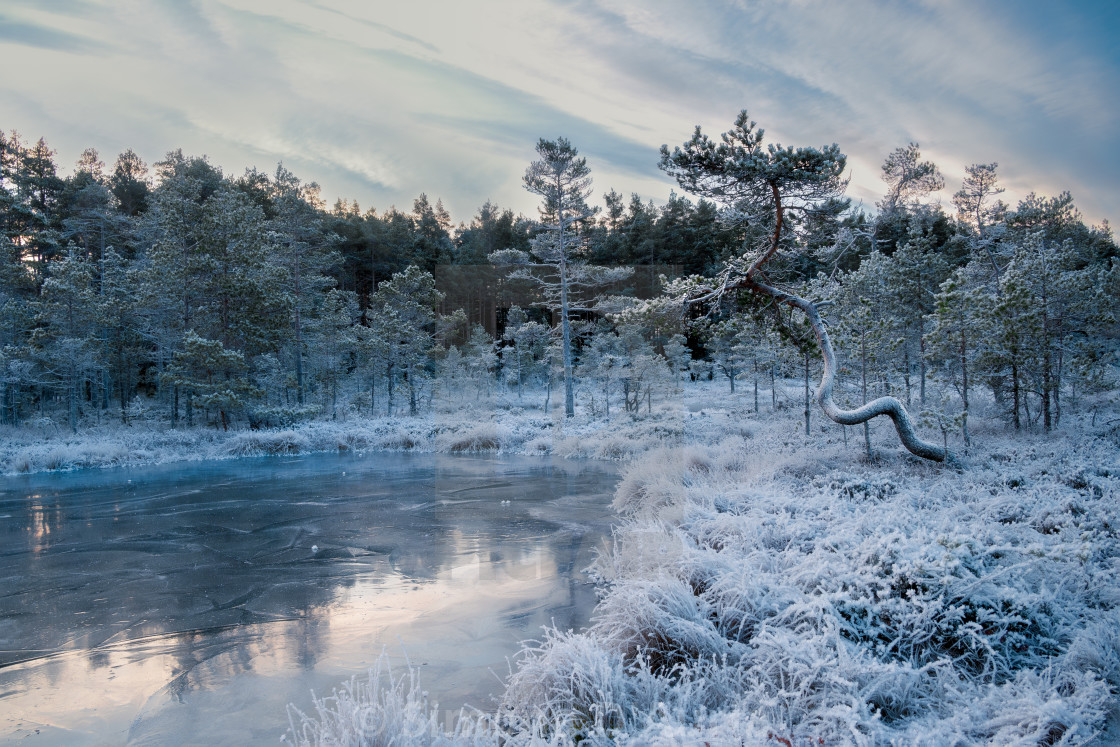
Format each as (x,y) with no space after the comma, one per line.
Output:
(191,603)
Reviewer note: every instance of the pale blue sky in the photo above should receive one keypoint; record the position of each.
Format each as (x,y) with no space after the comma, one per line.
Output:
(379,101)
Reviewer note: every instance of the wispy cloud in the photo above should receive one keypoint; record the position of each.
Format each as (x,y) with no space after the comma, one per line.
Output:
(381,101)
(27,33)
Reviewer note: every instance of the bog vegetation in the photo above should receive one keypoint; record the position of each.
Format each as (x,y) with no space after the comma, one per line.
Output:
(767,585)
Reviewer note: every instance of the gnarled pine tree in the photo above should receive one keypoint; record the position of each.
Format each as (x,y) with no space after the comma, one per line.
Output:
(739,171)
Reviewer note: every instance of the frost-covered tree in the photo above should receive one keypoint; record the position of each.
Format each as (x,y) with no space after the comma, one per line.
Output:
(209,269)
(563,181)
(908,178)
(796,182)
(120,343)
(642,370)
(1051,320)
(213,375)
(728,343)
(331,338)
(527,345)
(913,276)
(677,356)
(480,359)
(868,335)
(304,254)
(602,362)
(17,295)
(402,331)
(975,207)
(66,328)
(957,336)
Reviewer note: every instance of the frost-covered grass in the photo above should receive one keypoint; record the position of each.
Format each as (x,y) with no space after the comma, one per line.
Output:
(386,710)
(763,589)
(496,425)
(868,604)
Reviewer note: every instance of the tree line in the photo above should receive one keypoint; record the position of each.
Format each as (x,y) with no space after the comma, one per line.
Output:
(179,292)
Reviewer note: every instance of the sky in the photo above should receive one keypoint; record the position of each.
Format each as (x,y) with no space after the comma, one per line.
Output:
(378,101)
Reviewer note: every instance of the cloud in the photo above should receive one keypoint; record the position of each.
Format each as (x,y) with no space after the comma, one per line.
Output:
(379,27)
(967,83)
(382,102)
(26,33)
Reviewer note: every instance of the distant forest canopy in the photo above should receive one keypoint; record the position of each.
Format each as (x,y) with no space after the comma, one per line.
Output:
(176,293)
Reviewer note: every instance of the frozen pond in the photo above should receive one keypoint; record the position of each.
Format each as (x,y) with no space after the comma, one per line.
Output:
(188,604)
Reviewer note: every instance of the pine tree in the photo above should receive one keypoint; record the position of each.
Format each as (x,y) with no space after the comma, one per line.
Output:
(562,179)
(67,329)
(526,345)
(402,331)
(804,182)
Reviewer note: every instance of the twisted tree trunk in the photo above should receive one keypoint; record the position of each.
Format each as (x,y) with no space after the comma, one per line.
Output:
(888,406)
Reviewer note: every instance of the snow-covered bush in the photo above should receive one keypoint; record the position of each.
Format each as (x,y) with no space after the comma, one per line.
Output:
(257,443)
(483,437)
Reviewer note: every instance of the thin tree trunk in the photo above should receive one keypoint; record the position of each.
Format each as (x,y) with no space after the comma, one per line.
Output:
(299,358)
(565,323)
(773,389)
(863,361)
(906,371)
(1046,384)
(964,389)
(921,362)
(410,375)
(389,390)
(1058,387)
(548,385)
(807,409)
(1015,393)
(72,396)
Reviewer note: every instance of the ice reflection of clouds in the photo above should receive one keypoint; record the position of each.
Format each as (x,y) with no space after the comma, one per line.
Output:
(190,610)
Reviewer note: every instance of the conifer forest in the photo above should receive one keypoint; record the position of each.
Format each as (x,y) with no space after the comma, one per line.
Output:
(178,294)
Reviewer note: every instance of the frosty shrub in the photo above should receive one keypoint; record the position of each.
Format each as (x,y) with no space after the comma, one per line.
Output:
(399,440)
(484,437)
(382,711)
(259,443)
(568,685)
(663,481)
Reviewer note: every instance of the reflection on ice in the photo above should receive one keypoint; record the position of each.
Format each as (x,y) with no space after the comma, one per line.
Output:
(179,604)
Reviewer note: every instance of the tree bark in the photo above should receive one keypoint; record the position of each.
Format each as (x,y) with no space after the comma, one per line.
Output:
(863,373)
(1046,388)
(964,389)
(888,406)
(1015,394)
(807,410)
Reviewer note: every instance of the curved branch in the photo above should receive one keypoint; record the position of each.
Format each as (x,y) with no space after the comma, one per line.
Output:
(888,406)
